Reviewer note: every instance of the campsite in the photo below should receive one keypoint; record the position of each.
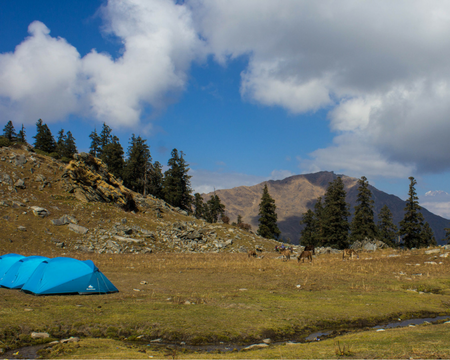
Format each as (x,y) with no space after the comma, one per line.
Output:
(215,305)
(188,289)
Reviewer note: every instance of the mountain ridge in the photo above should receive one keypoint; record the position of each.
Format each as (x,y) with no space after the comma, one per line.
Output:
(296,194)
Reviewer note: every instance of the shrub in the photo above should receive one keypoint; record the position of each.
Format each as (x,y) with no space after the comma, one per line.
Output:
(4,141)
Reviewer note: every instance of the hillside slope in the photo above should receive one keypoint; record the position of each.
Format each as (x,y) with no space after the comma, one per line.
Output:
(46,205)
(296,194)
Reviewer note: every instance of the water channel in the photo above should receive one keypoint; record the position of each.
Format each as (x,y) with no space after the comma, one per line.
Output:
(31,352)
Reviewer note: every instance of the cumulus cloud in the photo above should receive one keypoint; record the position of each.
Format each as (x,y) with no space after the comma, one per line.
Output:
(353,155)
(46,77)
(40,78)
(379,66)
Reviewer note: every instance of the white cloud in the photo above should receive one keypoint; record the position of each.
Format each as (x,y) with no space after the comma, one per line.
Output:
(45,76)
(40,79)
(379,66)
(353,155)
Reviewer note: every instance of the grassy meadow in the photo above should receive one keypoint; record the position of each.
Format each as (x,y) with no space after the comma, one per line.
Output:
(201,299)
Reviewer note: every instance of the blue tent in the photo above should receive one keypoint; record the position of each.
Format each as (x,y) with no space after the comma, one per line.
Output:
(20,272)
(6,261)
(64,276)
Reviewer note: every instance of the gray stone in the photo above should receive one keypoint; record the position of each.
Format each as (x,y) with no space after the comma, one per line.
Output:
(36,335)
(20,160)
(432,251)
(255,346)
(39,211)
(78,229)
(121,238)
(21,228)
(70,340)
(20,184)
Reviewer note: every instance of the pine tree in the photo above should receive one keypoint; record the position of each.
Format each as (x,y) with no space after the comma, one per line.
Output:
(363,224)
(268,217)
(412,223)
(309,230)
(155,186)
(335,216)
(176,184)
(214,208)
(318,222)
(70,148)
(9,132)
(105,137)
(21,135)
(95,144)
(44,140)
(239,219)
(427,236)
(447,235)
(137,165)
(198,206)
(112,156)
(387,230)
(61,143)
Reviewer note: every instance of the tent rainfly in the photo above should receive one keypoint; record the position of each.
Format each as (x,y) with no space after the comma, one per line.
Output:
(64,276)
(20,272)
(6,261)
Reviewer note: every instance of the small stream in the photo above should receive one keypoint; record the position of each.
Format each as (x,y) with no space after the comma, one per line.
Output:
(30,352)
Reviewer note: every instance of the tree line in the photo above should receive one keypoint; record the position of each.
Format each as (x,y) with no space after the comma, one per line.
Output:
(135,167)
(327,223)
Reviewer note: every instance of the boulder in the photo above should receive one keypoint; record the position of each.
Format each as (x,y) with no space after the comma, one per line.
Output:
(36,335)
(78,229)
(20,160)
(39,211)
(20,184)
(432,251)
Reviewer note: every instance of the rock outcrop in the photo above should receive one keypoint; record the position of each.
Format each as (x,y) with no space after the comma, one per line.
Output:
(88,179)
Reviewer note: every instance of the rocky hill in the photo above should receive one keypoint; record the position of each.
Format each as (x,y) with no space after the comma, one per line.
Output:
(296,194)
(46,205)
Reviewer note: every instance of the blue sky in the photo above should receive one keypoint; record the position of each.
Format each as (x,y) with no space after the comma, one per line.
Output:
(248,90)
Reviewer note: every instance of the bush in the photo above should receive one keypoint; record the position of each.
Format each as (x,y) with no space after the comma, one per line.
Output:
(4,141)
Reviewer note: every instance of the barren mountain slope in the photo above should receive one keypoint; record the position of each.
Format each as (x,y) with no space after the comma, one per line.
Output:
(296,194)
(47,206)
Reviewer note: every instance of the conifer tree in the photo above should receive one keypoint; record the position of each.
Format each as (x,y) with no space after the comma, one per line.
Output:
(44,140)
(214,208)
(412,223)
(176,184)
(9,132)
(308,232)
(21,135)
(155,186)
(363,224)
(335,217)
(137,165)
(447,235)
(105,137)
(112,156)
(239,219)
(95,147)
(427,236)
(199,206)
(268,217)
(70,148)
(318,222)
(387,230)
(61,143)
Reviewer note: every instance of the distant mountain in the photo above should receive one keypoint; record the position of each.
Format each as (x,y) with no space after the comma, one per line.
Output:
(296,194)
